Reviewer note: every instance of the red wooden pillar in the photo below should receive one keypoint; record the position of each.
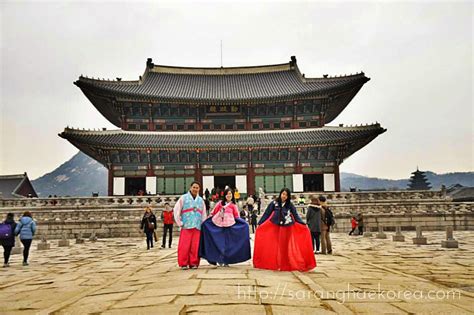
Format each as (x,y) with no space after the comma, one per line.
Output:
(337,178)
(110,187)
(250,180)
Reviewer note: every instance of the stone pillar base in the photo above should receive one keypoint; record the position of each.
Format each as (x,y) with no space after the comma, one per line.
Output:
(381,236)
(398,238)
(419,241)
(43,246)
(367,234)
(450,244)
(80,241)
(63,243)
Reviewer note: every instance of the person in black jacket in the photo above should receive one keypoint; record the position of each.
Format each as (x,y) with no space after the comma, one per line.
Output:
(313,219)
(148,226)
(8,243)
(253,220)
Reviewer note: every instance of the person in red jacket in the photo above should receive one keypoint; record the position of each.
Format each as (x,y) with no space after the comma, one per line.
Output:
(353,224)
(168,220)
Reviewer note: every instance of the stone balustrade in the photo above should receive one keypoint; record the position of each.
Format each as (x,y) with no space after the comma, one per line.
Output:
(120,216)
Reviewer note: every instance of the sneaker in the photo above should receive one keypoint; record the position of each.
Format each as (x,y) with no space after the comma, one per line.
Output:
(169,246)
(25,263)
(184,268)
(330,252)
(226,265)
(194,267)
(220,264)
(5,265)
(162,246)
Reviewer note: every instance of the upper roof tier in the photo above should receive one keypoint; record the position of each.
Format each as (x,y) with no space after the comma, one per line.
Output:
(234,84)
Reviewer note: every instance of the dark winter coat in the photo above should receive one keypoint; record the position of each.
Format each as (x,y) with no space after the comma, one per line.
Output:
(144,225)
(313,218)
(11,240)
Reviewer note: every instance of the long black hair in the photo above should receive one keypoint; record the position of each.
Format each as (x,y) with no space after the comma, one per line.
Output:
(288,192)
(224,200)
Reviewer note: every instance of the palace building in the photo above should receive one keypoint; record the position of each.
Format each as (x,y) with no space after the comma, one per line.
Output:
(247,127)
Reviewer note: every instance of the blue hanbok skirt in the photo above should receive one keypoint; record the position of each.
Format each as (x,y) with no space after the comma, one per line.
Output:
(225,245)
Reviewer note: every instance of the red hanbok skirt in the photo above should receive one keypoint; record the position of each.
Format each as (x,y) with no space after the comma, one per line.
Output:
(284,248)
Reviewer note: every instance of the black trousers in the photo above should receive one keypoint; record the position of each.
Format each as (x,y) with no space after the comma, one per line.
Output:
(315,239)
(166,228)
(352,231)
(254,227)
(361,229)
(149,238)
(26,249)
(7,250)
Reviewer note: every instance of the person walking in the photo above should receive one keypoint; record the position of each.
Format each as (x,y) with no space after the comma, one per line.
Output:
(313,219)
(148,225)
(7,239)
(353,225)
(26,228)
(168,221)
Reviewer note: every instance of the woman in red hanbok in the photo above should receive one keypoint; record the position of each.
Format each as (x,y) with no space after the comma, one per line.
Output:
(282,240)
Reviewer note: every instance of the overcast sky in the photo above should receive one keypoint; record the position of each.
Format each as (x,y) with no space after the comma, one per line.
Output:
(419,57)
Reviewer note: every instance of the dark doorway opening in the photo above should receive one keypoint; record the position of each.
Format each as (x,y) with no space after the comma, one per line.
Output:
(313,182)
(222,181)
(135,186)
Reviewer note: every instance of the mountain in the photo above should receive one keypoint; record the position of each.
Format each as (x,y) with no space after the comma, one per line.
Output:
(349,180)
(81,176)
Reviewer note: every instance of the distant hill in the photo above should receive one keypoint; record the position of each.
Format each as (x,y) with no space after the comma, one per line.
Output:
(81,176)
(349,180)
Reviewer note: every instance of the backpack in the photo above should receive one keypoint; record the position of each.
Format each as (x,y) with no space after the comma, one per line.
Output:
(330,221)
(5,231)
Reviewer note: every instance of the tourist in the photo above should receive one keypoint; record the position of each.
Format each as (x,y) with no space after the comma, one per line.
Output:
(313,219)
(244,214)
(360,221)
(253,220)
(189,213)
(224,236)
(168,220)
(26,228)
(236,194)
(353,225)
(282,240)
(8,238)
(327,220)
(207,194)
(148,225)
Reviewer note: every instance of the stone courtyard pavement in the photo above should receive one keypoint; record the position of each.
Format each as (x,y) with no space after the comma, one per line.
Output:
(364,276)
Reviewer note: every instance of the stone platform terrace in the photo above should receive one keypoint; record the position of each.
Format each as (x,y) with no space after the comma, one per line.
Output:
(364,276)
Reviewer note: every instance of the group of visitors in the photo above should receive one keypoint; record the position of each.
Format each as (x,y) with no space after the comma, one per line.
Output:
(149,226)
(25,228)
(283,241)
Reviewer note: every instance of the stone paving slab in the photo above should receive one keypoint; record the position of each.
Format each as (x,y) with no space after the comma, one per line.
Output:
(102,277)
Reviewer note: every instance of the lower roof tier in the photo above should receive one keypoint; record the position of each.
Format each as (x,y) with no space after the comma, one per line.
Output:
(201,140)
